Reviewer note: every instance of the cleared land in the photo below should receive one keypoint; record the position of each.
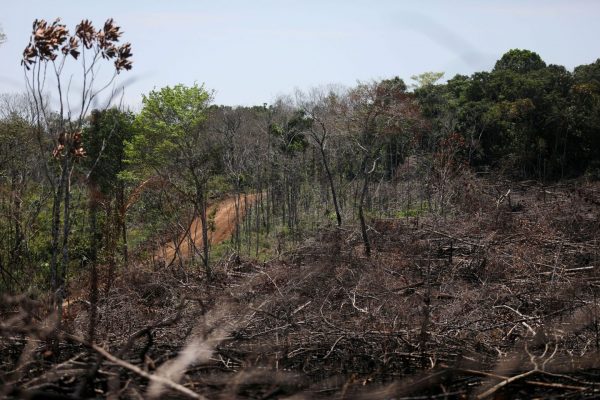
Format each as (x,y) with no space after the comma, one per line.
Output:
(497,300)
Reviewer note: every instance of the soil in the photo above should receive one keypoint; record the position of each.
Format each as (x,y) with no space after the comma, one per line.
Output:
(223,226)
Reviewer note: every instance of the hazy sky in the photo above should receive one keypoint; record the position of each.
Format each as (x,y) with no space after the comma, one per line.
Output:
(250,51)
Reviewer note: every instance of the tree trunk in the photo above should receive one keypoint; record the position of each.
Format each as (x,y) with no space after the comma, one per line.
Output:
(66,226)
(123,225)
(257,201)
(65,245)
(111,245)
(55,230)
(361,216)
(17,203)
(201,206)
(201,199)
(338,215)
(236,234)
(94,270)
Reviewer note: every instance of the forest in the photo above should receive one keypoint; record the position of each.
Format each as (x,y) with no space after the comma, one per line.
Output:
(425,239)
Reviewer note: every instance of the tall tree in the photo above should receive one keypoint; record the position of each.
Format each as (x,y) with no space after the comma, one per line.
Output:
(319,106)
(520,61)
(585,116)
(172,141)
(18,168)
(376,113)
(51,47)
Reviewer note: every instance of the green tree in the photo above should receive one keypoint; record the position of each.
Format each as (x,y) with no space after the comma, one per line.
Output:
(520,116)
(427,79)
(585,116)
(171,141)
(19,192)
(520,61)
(104,139)
(287,144)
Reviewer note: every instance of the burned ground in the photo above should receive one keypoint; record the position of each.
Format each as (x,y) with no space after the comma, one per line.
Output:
(498,299)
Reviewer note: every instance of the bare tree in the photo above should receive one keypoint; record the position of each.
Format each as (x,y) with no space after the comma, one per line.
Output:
(234,126)
(374,113)
(46,62)
(320,105)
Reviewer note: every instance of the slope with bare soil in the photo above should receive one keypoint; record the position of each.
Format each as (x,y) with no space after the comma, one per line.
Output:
(222,226)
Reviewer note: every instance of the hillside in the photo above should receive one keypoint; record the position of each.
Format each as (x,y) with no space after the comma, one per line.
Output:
(223,224)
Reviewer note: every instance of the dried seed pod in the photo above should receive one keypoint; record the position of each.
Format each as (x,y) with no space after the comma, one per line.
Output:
(86,32)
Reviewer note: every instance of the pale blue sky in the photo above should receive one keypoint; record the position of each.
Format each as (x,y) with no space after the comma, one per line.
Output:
(251,51)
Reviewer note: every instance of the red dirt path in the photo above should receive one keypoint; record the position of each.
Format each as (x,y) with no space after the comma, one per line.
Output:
(224,223)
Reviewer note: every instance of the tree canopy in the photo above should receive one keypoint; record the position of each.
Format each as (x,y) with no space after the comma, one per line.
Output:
(168,124)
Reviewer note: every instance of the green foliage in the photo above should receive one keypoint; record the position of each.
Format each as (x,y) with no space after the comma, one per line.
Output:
(396,84)
(427,79)
(219,185)
(291,134)
(520,61)
(165,127)
(16,143)
(533,119)
(412,212)
(104,140)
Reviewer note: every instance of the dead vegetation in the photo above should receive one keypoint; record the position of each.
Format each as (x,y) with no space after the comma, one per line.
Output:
(498,299)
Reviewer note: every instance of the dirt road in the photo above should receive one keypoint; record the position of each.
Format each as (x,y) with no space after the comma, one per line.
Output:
(224,225)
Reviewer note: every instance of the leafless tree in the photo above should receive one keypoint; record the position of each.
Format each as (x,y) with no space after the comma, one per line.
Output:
(375,112)
(320,105)
(46,61)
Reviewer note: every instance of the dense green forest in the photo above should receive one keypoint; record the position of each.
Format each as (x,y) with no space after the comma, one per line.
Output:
(89,195)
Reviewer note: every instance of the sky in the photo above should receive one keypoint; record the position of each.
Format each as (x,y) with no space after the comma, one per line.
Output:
(250,52)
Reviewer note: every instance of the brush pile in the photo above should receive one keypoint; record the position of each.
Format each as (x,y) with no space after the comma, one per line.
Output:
(501,298)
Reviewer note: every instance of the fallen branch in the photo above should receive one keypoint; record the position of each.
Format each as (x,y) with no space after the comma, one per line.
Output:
(505,382)
(155,378)
(333,347)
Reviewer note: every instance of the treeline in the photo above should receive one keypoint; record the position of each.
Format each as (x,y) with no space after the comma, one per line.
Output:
(531,119)
(80,197)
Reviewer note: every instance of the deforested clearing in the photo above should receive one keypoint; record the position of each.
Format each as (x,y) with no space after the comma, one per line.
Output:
(436,238)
